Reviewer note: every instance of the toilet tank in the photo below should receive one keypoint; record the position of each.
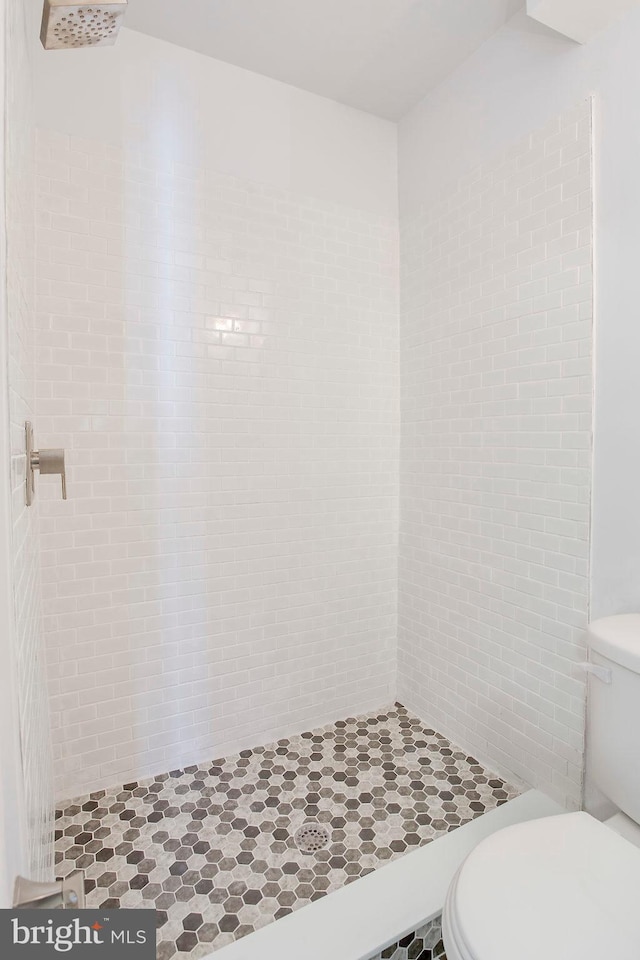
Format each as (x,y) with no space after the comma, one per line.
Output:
(614,710)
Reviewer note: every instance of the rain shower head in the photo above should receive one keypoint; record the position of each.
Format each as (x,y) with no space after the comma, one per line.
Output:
(67,25)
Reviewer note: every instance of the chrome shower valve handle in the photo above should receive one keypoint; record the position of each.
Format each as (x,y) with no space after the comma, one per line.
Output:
(46,461)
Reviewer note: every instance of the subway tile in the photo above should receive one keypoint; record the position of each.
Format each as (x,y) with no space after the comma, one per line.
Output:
(227,393)
(480,468)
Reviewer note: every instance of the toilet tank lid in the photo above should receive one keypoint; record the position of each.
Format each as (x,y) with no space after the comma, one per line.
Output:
(617,639)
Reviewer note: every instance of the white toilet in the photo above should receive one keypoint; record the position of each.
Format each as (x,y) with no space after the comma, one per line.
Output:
(567,887)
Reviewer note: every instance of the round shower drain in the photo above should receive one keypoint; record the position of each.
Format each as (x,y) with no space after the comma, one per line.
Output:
(311,837)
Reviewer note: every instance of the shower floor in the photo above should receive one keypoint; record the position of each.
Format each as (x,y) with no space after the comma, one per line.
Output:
(212,847)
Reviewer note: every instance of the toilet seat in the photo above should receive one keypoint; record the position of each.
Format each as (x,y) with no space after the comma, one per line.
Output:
(562,888)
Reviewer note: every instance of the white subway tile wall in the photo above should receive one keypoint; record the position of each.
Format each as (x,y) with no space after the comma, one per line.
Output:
(20,234)
(496,332)
(220,361)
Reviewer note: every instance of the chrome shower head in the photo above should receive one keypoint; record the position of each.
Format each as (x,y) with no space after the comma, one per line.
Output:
(67,25)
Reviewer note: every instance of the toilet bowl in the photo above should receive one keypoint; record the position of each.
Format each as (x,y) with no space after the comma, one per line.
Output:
(567,887)
(562,888)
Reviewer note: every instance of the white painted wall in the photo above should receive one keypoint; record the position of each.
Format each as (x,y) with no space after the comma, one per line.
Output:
(581,20)
(217,262)
(512,85)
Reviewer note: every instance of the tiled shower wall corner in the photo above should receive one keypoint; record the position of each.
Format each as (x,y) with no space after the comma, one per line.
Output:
(496,331)
(219,360)
(20,232)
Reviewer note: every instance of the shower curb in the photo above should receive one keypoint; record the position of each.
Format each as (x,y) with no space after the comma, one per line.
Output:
(361,919)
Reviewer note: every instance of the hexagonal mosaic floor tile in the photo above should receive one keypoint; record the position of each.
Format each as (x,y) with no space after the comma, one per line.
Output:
(214,847)
(423,944)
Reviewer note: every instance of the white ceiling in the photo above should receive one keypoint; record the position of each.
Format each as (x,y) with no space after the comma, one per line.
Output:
(382,56)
